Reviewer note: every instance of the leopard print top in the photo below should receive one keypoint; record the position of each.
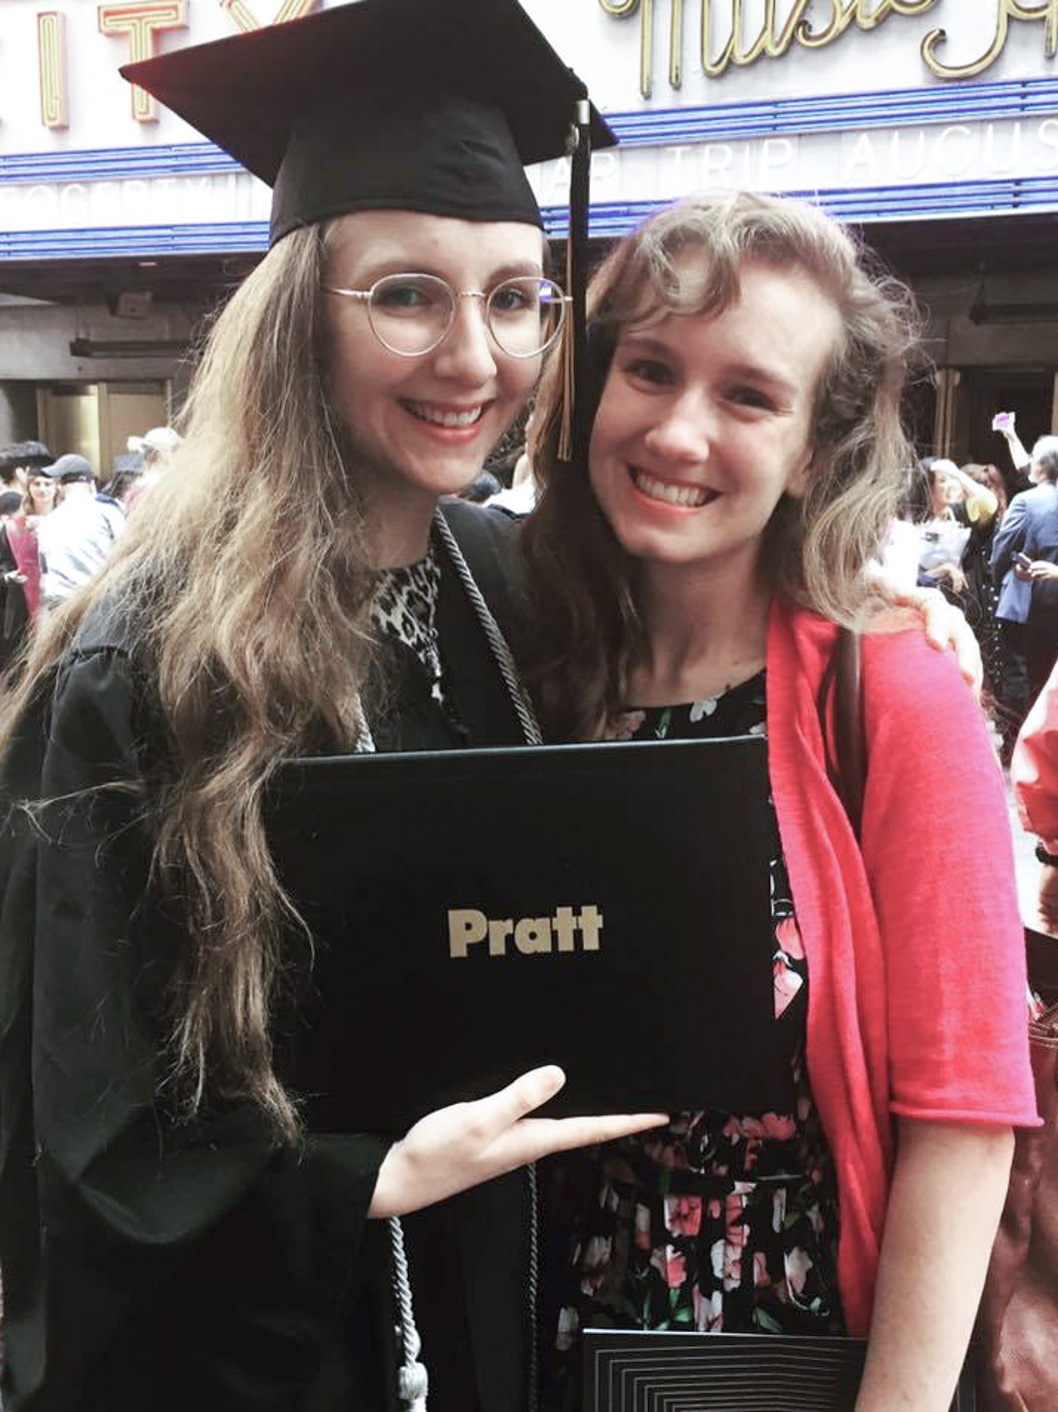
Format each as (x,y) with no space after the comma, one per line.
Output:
(405,608)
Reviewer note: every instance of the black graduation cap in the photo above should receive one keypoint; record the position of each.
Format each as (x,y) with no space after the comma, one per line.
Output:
(426,105)
(419,105)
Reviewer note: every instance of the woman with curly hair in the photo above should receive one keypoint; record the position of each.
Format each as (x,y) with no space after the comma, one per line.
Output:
(690,581)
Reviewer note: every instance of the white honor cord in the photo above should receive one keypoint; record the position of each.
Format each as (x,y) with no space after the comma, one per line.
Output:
(365,741)
(532,1290)
(413,1382)
(412,1379)
(523,707)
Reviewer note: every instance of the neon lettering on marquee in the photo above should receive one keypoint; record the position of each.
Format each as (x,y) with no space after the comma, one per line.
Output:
(246,20)
(726,44)
(51,61)
(141,22)
(1007,10)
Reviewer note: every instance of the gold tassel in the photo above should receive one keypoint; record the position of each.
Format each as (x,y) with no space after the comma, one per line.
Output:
(565,354)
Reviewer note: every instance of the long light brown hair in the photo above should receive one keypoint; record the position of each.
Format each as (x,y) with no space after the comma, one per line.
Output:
(27,507)
(244,584)
(580,581)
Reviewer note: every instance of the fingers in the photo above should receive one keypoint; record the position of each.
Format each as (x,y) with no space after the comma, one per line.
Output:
(543,1136)
(510,1106)
(502,1126)
(946,627)
(528,1091)
(935,612)
(459,1147)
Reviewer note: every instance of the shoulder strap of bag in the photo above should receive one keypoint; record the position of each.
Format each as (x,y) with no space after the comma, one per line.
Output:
(845,743)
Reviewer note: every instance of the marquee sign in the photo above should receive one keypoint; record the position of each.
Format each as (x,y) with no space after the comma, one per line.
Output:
(51,47)
(247,20)
(728,38)
(867,106)
(140,22)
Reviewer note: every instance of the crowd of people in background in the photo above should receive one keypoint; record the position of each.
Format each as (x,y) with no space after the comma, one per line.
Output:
(59,521)
(986,535)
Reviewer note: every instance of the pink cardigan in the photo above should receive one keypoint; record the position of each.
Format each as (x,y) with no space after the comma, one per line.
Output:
(915,950)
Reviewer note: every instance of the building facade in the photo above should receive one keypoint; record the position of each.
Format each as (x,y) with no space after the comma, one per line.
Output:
(933,124)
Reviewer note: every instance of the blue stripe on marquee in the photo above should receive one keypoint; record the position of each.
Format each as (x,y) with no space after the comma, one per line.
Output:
(948,103)
(929,201)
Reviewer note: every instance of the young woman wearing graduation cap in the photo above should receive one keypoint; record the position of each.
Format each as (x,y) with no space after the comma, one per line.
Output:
(170,1235)
(169,1232)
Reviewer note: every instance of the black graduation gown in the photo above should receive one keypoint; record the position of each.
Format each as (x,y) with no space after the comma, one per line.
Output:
(150,1264)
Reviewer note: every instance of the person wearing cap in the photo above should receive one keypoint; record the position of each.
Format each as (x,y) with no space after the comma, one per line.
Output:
(126,480)
(76,540)
(154,450)
(172,1233)
(155,446)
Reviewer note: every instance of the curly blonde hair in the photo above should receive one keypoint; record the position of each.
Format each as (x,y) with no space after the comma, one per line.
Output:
(580,581)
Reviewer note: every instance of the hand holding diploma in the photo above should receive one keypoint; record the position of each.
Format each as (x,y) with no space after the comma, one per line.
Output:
(468,1143)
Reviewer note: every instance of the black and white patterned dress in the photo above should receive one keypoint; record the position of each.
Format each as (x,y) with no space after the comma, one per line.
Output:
(718,1221)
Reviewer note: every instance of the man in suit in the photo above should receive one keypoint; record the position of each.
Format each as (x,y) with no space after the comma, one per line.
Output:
(1028,596)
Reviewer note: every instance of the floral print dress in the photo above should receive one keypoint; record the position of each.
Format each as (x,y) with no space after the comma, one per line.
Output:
(719,1221)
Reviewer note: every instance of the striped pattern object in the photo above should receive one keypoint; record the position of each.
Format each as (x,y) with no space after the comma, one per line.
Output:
(700,1372)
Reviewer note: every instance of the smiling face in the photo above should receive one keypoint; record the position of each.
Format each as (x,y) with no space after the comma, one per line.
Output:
(422,426)
(705,422)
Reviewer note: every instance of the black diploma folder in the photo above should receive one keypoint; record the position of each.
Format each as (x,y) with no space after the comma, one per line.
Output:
(476,913)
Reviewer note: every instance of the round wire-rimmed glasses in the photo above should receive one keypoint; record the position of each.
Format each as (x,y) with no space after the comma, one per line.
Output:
(412,314)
